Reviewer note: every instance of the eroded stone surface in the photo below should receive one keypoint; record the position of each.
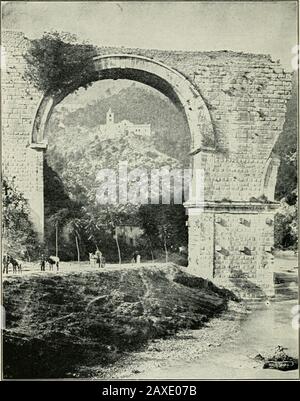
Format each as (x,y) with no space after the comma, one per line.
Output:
(235,105)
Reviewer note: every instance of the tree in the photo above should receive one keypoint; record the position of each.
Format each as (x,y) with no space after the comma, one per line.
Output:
(116,237)
(286,148)
(73,227)
(56,220)
(165,236)
(286,224)
(286,219)
(164,226)
(60,211)
(19,236)
(144,243)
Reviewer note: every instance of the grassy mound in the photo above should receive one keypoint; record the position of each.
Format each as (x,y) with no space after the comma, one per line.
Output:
(55,323)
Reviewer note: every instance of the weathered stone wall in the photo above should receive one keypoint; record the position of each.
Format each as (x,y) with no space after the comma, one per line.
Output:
(18,108)
(245,94)
(246,98)
(232,245)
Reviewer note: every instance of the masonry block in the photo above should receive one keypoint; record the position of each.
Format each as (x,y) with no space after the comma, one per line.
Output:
(235,105)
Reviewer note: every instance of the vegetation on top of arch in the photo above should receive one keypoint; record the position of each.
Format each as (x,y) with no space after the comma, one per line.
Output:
(58,65)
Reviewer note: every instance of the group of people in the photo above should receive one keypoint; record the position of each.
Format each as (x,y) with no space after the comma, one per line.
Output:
(136,258)
(11,263)
(98,258)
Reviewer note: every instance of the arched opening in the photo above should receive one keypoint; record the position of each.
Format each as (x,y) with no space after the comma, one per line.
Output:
(152,74)
(269,177)
(110,123)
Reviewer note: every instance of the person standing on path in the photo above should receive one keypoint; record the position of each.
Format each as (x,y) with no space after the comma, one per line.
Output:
(43,263)
(98,255)
(134,257)
(5,263)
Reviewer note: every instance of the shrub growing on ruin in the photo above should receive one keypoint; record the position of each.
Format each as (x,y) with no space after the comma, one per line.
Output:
(58,65)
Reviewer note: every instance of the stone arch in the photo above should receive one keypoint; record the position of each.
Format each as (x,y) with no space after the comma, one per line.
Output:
(152,73)
(233,217)
(269,177)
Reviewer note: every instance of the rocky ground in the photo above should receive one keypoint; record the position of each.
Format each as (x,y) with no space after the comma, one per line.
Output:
(186,346)
(85,323)
(229,345)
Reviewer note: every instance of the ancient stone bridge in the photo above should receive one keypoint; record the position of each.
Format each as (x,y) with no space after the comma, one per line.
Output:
(235,107)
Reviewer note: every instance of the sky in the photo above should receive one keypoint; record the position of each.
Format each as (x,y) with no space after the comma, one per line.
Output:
(254,27)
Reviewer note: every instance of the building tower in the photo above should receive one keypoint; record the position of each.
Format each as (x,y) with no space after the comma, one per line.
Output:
(109,117)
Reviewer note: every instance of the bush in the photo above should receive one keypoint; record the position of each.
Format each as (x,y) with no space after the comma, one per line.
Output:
(57,65)
(286,226)
(19,238)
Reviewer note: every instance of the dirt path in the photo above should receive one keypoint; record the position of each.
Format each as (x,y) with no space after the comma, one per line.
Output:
(187,346)
(65,268)
(226,346)
(223,348)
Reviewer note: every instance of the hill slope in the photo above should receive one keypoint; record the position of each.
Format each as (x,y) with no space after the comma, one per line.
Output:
(136,104)
(78,168)
(92,318)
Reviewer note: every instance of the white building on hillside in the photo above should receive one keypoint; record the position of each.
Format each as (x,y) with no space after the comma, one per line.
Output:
(112,130)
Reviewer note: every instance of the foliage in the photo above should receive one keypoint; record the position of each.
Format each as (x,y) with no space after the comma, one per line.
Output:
(60,210)
(57,65)
(286,148)
(19,238)
(286,227)
(164,226)
(286,219)
(138,104)
(82,225)
(78,162)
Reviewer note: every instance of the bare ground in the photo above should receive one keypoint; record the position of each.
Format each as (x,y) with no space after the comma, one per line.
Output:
(66,324)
